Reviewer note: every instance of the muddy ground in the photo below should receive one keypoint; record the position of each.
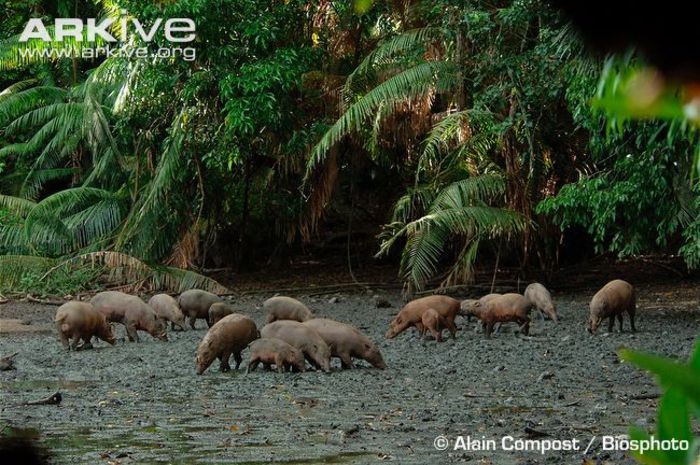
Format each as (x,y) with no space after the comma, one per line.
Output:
(143,403)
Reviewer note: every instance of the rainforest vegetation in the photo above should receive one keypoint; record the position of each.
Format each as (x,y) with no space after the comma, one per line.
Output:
(450,131)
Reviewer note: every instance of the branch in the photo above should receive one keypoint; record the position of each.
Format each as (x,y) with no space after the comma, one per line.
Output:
(318,290)
(30,298)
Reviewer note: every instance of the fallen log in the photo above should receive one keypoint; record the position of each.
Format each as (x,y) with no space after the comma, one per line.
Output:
(6,362)
(655,395)
(532,433)
(53,399)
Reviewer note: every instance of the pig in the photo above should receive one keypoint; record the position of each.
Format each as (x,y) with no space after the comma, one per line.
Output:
(489,297)
(132,312)
(346,341)
(195,304)
(286,308)
(540,296)
(467,306)
(612,301)
(500,309)
(273,351)
(167,309)
(219,310)
(304,338)
(433,322)
(412,313)
(230,335)
(79,320)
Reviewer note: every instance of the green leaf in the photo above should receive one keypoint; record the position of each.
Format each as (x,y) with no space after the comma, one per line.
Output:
(672,375)
(362,6)
(674,423)
(651,457)
(695,358)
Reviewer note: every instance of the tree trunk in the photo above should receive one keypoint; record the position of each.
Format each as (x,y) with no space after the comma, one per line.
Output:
(241,254)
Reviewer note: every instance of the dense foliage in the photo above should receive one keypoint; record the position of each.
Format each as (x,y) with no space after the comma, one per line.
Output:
(473,119)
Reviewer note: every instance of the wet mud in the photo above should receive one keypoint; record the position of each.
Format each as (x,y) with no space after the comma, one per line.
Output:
(143,403)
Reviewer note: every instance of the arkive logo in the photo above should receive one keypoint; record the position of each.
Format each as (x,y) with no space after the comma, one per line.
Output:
(129,31)
(76,27)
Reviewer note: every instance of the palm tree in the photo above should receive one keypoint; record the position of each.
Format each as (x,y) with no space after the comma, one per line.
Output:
(416,86)
(458,217)
(109,211)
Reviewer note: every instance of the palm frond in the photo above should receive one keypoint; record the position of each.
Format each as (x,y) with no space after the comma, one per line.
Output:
(462,270)
(179,280)
(15,104)
(128,269)
(483,221)
(96,222)
(15,54)
(36,179)
(62,121)
(409,84)
(73,218)
(17,205)
(17,87)
(149,212)
(13,267)
(425,242)
(96,127)
(414,203)
(469,191)
(107,170)
(462,137)
(50,117)
(452,128)
(460,210)
(13,240)
(386,52)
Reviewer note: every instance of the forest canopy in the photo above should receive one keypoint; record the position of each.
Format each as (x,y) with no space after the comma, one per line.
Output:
(450,130)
